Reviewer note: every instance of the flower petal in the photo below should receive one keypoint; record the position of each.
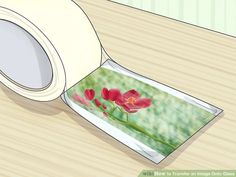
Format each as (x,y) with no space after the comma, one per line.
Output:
(77,97)
(143,103)
(80,99)
(129,109)
(131,93)
(97,102)
(120,101)
(114,94)
(105,93)
(89,94)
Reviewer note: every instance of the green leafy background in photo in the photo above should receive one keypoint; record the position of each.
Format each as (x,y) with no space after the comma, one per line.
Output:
(168,122)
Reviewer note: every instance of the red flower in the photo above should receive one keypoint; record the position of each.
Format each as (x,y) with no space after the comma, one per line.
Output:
(132,102)
(112,94)
(80,100)
(89,94)
(104,106)
(97,102)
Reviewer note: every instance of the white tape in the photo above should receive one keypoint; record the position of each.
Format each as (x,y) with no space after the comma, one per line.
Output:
(52,40)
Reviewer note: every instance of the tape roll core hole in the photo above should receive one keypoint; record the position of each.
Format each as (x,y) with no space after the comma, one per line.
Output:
(22,58)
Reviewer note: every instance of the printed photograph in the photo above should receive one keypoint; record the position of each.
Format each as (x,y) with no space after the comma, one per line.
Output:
(152,116)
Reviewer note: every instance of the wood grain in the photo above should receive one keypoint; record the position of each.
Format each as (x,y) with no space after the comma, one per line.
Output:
(49,139)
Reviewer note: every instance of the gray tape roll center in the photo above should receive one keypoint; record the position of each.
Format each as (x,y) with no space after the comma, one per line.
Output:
(22,58)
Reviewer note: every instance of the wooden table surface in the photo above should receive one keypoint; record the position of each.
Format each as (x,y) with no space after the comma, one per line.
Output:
(49,139)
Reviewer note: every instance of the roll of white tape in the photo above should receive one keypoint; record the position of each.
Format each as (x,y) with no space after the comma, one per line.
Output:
(45,51)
